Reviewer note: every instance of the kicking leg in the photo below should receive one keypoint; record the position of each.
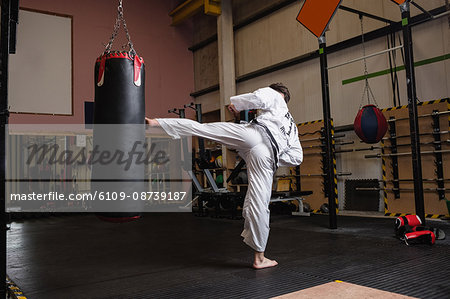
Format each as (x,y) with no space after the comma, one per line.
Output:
(151,122)
(237,136)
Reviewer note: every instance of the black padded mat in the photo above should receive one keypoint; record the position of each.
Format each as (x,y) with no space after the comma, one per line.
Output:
(183,256)
(361,200)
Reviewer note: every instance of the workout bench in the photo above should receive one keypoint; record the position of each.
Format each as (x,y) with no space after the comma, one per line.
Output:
(290,196)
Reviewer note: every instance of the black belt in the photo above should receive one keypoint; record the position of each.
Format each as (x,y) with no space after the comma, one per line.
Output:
(273,142)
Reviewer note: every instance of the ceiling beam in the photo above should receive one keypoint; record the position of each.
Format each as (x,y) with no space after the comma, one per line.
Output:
(191,7)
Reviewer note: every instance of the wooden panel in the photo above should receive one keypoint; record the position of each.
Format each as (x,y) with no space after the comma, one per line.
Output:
(312,164)
(210,103)
(406,203)
(206,67)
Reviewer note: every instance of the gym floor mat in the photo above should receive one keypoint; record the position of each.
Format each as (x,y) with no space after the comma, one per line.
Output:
(180,255)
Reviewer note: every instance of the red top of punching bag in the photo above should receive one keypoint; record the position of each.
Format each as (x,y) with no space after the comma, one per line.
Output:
(138,62)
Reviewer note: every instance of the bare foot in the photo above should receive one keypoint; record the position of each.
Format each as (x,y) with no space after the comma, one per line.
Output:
(265,263)
(151,122)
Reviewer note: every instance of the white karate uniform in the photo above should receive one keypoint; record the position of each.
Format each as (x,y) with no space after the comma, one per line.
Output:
(257,147)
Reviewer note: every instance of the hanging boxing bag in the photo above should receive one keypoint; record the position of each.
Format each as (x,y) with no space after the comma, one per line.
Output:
(370,124)
(119,112)
(119,132)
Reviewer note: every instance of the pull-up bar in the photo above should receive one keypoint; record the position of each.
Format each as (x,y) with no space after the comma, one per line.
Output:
(364,57)
(441,15)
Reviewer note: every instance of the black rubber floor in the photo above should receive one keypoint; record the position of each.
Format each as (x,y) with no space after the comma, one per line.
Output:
(183,256)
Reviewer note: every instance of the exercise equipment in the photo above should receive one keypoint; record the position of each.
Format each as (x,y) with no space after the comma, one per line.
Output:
(314,172)
(410,230)
(405,154)
(370,124)
(321,145)
(335,136)
(399,189)
(405,223)
(213,197)
(435,113)
(394,159)
(219,179)
(438,155)
(421,134)
(289,196)
(119,112)
(324,208)
(219,161)
(419,237)
(312,175)
(306,207)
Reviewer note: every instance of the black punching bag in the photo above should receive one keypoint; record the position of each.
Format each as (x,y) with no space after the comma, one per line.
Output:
(119,136)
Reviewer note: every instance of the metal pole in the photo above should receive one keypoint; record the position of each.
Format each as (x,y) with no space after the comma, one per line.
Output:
(327,133)
(182,113)
(201,141)
(412,107)
(365,57)
(198,112)
(4,48)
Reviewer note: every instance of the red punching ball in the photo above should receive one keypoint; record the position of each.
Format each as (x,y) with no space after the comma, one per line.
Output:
(370,124)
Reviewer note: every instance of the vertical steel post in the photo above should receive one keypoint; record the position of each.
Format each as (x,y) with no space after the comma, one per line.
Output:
(438,155)
(182,113)
(412,107)
(198,112)
(328,134)
(4,114)
(201,141)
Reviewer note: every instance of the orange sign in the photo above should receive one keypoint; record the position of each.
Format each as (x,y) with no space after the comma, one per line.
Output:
(315,15)
(399,1)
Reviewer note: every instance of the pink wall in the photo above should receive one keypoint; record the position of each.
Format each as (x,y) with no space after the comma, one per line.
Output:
(168,62)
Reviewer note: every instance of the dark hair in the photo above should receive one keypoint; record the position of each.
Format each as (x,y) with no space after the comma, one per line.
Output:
(283,90)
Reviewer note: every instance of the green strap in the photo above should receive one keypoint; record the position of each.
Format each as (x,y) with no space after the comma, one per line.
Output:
(399,68)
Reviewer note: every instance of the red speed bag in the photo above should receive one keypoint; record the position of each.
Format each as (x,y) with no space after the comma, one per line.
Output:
(370,124)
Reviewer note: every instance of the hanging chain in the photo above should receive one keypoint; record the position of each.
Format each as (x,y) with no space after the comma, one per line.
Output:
(366,73)
(447,7)
(367,89)
(120,19)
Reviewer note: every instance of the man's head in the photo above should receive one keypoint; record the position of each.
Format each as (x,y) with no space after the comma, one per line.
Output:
(282,89)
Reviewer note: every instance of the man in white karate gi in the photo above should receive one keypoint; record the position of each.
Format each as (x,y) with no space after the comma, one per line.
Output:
(269,141)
